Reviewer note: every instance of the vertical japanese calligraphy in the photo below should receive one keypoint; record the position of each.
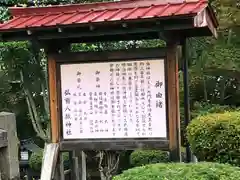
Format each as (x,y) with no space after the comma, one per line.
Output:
(124,99)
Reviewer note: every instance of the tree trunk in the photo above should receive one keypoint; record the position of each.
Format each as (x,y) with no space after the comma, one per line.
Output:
(109,168)
(205,89)
(34,116)
(222,90)
(229,37)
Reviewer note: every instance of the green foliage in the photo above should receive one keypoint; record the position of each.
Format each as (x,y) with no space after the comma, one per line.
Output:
(216,137)
(227,12)
(4,14)
(224,56)
(143,157)
(181,171)
(83,47)
(124,161)
(35,160)
(102,46)
(214,68)
(14,57)
(202,108)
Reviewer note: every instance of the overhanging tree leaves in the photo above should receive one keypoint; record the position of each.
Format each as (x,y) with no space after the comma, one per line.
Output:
(24,65)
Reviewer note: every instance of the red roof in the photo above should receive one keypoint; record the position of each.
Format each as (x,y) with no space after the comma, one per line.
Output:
(35,17)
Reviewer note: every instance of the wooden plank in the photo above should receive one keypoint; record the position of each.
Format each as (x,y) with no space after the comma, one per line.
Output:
(173,101)
(114,144)
(53,99)
(76,172)
(50,156)
(59,172)
(83,166)
(118,30)
(61,167)
(129,54)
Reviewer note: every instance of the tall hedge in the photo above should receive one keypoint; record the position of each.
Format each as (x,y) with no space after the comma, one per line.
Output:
(216,137)
(181,171)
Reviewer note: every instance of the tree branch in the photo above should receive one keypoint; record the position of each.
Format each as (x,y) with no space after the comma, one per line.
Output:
(115,167)
(45,99)
(31,116)
(33,112)
(42,133)
(101,169)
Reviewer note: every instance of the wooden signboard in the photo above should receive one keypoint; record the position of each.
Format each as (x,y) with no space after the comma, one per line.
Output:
(113,100)
(105,100)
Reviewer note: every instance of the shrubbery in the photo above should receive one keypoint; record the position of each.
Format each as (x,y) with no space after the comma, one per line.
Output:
(216,137)
(181,171)
(35,161)
(200,109)
(143,157)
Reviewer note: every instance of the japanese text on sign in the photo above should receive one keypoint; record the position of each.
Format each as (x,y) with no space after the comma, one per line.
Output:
(114,100)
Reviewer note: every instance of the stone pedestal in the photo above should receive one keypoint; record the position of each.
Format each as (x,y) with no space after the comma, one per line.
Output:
(9,163)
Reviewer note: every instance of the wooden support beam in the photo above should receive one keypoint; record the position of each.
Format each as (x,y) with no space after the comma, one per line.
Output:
(173,101)
(82,165)
(51,48)
(61,167)
(53,99)
(54,47)
(76,172)
(187,115)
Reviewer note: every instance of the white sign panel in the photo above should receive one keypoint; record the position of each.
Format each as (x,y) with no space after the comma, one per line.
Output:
(114,100)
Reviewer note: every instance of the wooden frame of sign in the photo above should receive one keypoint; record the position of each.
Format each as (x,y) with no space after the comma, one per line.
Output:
(168,140)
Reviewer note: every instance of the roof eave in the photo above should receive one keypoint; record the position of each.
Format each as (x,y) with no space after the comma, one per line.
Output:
(204,18)
(123,23)
(136,29)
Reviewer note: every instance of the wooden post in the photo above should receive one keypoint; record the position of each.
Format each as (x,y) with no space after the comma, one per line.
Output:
(59,172)
(187,116)
(79,165)
(82,165)
(53,47)
(53,99)
(76,172)
(173,101)
(61,166)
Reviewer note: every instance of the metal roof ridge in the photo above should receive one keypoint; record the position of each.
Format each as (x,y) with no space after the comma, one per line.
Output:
(99,6)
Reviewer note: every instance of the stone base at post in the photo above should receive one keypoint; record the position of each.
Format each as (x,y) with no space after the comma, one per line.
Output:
(9,163)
